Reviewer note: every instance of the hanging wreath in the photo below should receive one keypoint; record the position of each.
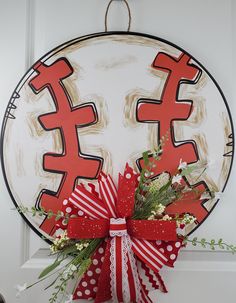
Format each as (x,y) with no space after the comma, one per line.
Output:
(111,239)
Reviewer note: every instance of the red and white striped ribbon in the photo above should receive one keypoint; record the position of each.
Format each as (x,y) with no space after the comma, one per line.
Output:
(149,254)
(108,193)
(89,203)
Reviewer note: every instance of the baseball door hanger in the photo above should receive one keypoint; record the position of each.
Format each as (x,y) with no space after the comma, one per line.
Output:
(97,102)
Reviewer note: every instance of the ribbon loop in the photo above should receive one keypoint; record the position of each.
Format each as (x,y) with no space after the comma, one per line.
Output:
(152,230)
(82,228)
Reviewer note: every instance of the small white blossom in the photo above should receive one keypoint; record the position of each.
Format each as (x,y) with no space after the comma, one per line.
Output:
(166,218)
(69,271)
(182,165)
(80,246)
(152,217)
(160,208)
(59,242)
(73,267)
(176,179)
(20,289)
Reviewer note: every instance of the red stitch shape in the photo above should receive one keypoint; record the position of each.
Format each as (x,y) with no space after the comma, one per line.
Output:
(72,164)
(165,112)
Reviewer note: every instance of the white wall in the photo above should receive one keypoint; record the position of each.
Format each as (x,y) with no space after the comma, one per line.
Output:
(204,28)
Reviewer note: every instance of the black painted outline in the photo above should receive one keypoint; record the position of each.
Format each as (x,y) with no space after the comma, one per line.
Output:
(57,49)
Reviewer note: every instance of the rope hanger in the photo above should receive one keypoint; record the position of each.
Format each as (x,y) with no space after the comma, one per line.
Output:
(107,11)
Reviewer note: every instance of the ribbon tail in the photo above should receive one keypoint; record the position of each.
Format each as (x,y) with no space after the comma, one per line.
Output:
(147,276)
(118,270)
(151,279)
(125,285)
(161,283)
(104,290)
(87,285)
(133,274)
(144,294)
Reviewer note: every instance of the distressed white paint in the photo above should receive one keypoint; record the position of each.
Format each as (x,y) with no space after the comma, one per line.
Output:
(206,29)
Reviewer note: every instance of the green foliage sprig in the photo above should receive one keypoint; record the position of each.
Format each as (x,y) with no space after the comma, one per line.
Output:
(78,265)
(211,244)
(40,211)
(79,260)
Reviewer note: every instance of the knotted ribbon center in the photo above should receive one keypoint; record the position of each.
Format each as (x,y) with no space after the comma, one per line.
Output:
(118,227)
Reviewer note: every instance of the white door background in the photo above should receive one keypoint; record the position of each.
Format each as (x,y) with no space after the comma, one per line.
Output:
(204,28)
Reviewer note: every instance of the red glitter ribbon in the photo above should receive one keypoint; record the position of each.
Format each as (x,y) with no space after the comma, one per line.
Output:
(128,241)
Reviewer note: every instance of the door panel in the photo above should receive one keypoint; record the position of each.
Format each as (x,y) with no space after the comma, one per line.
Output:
(206,29)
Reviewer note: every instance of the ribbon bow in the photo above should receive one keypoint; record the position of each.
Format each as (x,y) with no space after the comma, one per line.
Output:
(127,264)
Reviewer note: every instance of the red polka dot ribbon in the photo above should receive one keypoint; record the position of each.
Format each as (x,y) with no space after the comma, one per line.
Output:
(125,267)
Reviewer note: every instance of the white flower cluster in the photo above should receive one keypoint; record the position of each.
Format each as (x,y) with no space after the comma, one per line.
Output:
(159,182)
(159,210)
(167,218)
(60,242)
(81,245)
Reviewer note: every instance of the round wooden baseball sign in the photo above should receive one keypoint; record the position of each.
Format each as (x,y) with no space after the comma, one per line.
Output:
(99,101)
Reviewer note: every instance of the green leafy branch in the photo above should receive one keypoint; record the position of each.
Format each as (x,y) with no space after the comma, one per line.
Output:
(62,285)
(143,207)
(42,212)
(146,200)
(80,262)
(211,244)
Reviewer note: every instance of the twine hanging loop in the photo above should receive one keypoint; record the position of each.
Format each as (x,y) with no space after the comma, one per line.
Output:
(129,13)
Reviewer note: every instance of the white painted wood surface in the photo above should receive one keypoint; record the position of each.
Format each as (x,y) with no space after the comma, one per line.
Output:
(204,28)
